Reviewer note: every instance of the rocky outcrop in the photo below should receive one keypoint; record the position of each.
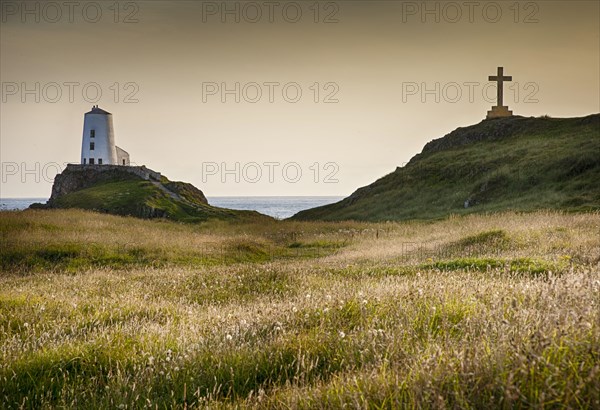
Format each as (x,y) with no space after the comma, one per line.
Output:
(186,192)
(487,130)
(138,192)
(78,177)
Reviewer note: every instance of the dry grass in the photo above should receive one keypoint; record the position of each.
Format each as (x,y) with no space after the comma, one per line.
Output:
(495,311)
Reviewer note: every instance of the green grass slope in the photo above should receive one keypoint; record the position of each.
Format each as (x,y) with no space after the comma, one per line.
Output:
(513,163)
(129,195)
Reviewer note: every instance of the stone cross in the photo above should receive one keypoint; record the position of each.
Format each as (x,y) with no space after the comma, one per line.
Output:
(500,110)
(500,79)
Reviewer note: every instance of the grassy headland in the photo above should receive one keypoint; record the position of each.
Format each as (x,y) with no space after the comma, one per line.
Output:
(516,163)
(121,190)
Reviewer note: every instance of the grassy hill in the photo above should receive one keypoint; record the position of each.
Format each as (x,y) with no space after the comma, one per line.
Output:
(512,163)
(120,191)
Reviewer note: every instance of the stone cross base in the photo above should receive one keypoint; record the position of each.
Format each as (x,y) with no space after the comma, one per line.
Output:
(499,112)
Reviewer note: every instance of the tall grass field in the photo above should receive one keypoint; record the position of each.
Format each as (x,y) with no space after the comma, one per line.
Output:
(477,311)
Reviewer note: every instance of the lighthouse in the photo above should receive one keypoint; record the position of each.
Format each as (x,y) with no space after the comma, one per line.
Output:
(98,142)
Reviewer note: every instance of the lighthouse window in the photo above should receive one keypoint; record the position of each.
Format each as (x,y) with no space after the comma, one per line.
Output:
(92,133)
(99,161)
(92,145)
(91,161)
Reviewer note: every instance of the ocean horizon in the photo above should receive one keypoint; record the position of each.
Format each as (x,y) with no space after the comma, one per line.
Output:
(279,207)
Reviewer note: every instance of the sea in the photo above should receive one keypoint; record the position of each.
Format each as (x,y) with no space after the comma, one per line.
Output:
(279,207)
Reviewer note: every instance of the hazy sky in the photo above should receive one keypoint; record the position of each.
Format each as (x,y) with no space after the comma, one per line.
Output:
(168,71)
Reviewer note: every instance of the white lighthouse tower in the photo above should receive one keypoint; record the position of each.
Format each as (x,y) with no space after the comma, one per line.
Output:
(98,142)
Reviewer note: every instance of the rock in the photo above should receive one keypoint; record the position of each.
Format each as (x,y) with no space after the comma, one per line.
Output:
(78,177)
